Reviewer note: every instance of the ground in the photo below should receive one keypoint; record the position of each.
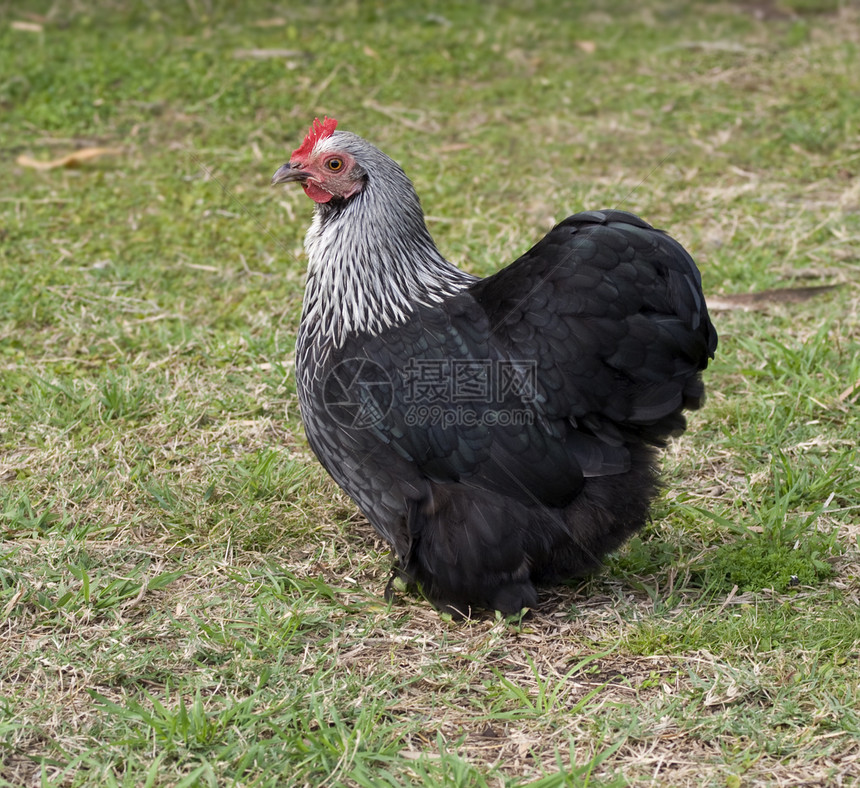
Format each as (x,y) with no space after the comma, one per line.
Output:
(186,599)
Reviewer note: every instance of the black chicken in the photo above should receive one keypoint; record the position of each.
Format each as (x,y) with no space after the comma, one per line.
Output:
(500,433)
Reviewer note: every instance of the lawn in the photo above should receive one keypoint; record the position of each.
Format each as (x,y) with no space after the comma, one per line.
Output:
(187,600)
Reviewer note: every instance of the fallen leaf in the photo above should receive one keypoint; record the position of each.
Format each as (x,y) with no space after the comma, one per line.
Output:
(414,755)
(27,27)
(761,300)
(454,146)
(277,21)
(265,54)
(75,159)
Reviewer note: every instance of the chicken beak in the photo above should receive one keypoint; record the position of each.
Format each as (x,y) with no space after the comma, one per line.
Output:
(290,172)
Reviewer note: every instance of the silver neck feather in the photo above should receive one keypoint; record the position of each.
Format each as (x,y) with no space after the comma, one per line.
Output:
(371,259)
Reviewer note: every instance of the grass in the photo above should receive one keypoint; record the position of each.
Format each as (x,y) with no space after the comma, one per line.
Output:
(187,600)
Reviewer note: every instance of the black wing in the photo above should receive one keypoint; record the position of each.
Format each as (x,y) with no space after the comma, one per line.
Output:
(613,309)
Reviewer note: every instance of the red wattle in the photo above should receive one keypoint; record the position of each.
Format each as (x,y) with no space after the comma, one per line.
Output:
(316,193)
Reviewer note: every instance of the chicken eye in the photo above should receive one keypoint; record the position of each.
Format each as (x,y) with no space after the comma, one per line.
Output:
(334,164)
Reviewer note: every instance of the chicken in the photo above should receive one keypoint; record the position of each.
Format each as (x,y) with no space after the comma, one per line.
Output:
(501,433)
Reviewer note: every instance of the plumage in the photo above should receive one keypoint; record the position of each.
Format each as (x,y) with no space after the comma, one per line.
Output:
(499,433)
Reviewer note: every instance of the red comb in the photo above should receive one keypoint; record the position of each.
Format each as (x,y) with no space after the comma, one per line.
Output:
(318,131)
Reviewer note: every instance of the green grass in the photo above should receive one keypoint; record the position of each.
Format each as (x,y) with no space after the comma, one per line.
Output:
(186,599)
